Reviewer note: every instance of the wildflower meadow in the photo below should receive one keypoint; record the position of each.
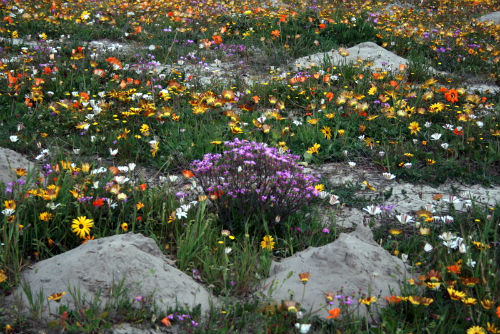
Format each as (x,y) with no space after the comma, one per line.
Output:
(208,127)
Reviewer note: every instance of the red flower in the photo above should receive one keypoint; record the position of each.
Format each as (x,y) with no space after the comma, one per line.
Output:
(98,202)
(187,173)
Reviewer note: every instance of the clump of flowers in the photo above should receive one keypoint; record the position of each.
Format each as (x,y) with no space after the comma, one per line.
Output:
(252,179)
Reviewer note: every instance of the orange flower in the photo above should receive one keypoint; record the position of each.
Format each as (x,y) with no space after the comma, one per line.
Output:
(393,299)
(217,39)
(275,33)
(304,277)
(498,311)
(451,95)
(456,268)
(187,173)
(333,313)
(166,322)
(114,61)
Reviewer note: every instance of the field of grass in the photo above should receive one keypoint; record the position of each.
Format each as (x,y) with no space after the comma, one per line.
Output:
(119,129)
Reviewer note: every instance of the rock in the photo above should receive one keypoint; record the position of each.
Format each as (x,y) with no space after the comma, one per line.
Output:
(9,161)
(128,328)
(350,218)
(368,51)
(483,89)
(99,266)
(351,265)
(494,16)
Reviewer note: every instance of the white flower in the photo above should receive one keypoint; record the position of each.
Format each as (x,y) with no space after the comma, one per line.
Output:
(13,138)
(99,170)
(428,124)
(76,151)
(227,250)
(303,328)
(352,164)
(471,263)
(297,123)
(323,194)
(180,213)
(52,206)
(445,146)
(333,199)
(120,179)
(428,247)
(404,218)
(480,124)
(444,219)
(8,212)
(381,154)
(452,241)
(404,257)
(373,210)
(172,178)
(408,165)
(436,136)
(388,176)
(123,169)
(462,248)
(131,166)
(113,152)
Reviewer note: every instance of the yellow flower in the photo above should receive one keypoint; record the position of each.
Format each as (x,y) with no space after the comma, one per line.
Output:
(319,187)
(45,216)
(267,242)
(487,304)
(414,127)
(56,296)
(456,295)
(436,107)
(314,149)
(139,206)
(313,121)
(124,226)
(476,330)
(9,204)
(395,231)
(368,300)
(372,90)
(81,226)
(469,301)
(327,132)
(236,130)
(3,277)
(144,129)
(341,132)
(85,167)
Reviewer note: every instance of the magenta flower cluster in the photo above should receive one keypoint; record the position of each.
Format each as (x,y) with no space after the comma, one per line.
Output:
(251,178)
